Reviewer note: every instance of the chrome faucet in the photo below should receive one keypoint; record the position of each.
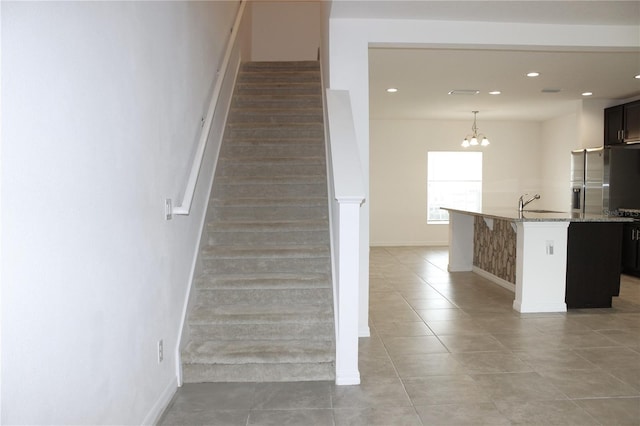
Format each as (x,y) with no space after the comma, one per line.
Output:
(522,203)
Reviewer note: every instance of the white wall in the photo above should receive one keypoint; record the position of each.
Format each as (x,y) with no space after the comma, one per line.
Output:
(559,137)
(286,30)
(101,113)
(398,173)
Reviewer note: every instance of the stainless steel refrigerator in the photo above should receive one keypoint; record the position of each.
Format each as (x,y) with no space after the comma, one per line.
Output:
(605,180)
(587,181)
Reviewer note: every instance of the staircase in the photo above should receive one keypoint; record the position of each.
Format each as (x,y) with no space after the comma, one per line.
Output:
(263,308)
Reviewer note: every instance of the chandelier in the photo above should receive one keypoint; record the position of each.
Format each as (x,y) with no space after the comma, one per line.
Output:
(472,139)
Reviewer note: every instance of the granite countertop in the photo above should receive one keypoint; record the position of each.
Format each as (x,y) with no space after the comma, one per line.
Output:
(535,215)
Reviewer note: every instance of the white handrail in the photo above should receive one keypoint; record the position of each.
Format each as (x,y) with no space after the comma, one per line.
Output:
(185,206)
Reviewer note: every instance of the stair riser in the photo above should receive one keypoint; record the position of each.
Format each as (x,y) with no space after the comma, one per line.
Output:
(204,373)
(272,170)
(258,191)
(241,133)
(271,66)
(220,282)
(309,331)
(278,89)
(311,296)
(265,239)
(283,76)
(295,151)
(274,119)
(269,213)
(275,101)
(261,266)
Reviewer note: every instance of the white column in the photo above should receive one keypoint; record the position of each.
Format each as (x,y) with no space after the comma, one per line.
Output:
(347,372)
(460,242)
(541,266)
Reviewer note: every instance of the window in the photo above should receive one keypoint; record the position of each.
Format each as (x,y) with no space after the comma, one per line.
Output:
(454,179)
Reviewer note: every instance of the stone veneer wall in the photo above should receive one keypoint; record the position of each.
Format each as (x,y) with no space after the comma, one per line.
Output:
(495,250)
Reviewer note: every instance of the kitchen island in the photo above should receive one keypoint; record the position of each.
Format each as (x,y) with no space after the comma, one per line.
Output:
(539,254)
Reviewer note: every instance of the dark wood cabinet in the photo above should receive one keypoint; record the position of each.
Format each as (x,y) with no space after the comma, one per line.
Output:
(632,122)
(613,125)
(622,123)
(593,264)
(631,249)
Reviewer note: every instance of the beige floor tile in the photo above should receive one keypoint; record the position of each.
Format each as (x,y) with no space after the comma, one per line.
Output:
(376,367)
(398,346)
(192,417)
(397,416)
(546,413)
(491,362)
(462,414)
(403,329)
(471,343)
(529,386)
(429,315)
(610,358)
(292,395)
(549,360)
(451,389)
(427,365)
(627,337)
(440,303)
(371,393)
(456,326)
(290,418)
(589,384)
(613,411)
(630,376)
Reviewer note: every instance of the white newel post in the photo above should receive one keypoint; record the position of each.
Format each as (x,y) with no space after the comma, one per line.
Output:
(349,194)
(347,372)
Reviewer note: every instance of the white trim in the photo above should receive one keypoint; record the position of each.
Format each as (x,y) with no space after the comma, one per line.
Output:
(364,331)
(539,307)
(346,380)
(495,279)
(161,403)
(194,265)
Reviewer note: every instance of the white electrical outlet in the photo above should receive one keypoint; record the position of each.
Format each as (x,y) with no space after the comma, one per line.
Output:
(550,248)
(160,351)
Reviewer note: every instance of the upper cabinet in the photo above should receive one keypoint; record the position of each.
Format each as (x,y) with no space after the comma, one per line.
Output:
(622,123)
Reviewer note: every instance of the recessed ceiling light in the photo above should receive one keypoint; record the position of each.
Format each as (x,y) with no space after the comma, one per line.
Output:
(495,92)
(638,76)
(392,90)
(533,74)
(587,93)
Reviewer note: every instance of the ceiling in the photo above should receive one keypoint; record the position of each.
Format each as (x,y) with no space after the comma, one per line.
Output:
(425,76)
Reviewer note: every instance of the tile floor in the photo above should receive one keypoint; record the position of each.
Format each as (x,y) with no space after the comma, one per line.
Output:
(448,349)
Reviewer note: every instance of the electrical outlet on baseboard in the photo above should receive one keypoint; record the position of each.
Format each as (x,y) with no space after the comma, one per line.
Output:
(160,351)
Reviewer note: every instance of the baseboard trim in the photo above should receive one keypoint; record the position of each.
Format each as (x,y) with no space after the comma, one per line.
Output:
(539,307)
(364,332)
(348,379)
(153,416)
(495,279)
